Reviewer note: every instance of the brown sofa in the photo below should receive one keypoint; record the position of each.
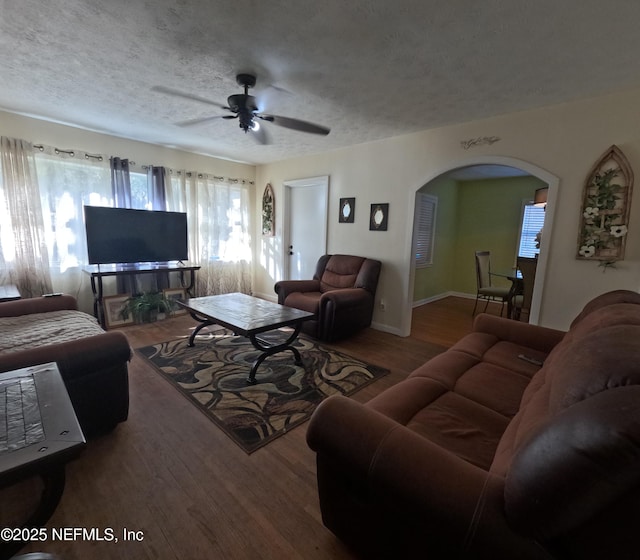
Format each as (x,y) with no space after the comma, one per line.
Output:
(93,363)
(484,453)
(341,295)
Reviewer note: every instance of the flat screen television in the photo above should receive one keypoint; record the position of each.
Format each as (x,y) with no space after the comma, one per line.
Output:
(125,236)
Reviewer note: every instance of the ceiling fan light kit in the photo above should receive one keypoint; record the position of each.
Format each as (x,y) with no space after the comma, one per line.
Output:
(245,108)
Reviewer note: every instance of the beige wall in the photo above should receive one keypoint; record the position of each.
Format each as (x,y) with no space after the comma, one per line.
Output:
(66,137)
(558,144)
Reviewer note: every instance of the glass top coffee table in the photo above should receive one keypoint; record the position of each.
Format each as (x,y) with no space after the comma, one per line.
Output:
(248,316)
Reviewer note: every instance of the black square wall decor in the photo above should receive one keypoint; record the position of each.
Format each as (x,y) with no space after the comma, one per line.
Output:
(347,212)
(379,217)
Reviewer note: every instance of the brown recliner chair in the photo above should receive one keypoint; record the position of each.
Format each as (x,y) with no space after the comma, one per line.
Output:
(341,295)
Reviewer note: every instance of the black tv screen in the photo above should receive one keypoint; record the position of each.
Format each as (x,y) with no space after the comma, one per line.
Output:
(123,235)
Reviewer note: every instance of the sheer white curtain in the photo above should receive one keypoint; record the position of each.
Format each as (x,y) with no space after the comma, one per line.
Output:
(218,221)
(68,181)
(24,259)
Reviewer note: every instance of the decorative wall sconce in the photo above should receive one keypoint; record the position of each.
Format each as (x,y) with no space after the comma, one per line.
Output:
(606,203)
(268,211)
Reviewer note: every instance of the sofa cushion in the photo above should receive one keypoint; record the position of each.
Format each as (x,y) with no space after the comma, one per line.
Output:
(340,272)
(509,355)
(26,332)
(307,301)
(458,424)
(490,385)
(494,387)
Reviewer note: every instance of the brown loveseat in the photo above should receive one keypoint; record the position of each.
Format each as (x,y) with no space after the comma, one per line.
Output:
(484,453)
(341,295)
(93,363)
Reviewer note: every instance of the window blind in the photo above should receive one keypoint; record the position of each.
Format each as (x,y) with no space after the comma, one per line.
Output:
(426,206)
(532,222)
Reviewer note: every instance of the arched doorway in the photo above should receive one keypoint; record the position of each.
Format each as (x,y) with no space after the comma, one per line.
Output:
(497,162)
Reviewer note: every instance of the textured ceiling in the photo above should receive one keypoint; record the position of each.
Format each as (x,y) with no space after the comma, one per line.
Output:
(366,69)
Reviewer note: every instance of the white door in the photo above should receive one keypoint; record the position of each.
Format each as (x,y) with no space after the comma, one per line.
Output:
(306,235)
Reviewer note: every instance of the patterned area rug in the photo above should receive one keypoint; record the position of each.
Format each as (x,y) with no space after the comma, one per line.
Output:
(213,374)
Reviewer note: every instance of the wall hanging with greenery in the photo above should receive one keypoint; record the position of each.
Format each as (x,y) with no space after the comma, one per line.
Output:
(606,202)
(268,211)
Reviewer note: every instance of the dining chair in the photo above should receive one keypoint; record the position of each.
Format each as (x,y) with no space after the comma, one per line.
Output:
(485,290)
(521,302)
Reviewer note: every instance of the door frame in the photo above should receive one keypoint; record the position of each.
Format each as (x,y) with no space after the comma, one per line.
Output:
(319,181)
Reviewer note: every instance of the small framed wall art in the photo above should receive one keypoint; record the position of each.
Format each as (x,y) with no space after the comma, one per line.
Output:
(379,218)
(347,210)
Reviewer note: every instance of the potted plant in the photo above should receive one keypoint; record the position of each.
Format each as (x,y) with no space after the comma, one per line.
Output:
(145,307)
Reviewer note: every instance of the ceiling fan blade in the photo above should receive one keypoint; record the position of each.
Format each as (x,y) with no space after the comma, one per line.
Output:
(296,124)
(202,120)
(178,93)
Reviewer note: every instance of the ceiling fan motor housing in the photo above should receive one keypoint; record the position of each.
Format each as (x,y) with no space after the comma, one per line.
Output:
(240,102)
(244,106)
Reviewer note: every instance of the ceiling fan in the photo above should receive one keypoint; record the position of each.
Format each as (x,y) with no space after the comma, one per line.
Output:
(245,108)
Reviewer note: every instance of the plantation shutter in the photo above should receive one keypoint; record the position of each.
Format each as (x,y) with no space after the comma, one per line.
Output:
(425,229)
(532,222)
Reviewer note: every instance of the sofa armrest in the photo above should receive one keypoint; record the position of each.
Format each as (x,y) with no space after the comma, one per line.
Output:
(42,304)
(392,461)
(346,298)
(285,287)
(399,471)
(74,358)
(533,336)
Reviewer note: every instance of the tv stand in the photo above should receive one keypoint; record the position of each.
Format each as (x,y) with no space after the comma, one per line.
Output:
(98,272)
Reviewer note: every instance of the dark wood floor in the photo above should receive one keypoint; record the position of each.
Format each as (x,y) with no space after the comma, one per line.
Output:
(173,476)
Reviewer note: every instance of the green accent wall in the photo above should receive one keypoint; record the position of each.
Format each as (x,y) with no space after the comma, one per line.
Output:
(472,216)
(436,279)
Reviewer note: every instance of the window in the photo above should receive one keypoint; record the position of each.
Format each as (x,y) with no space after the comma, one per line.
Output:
(425,227)
(66,185)
(218,210)
(140,197)
(532,222)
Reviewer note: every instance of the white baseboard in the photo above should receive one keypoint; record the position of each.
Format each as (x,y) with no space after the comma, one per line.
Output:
(386,328)
(431,299)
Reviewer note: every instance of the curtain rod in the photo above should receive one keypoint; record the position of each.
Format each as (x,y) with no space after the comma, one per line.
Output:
(99,157)
(71,153)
